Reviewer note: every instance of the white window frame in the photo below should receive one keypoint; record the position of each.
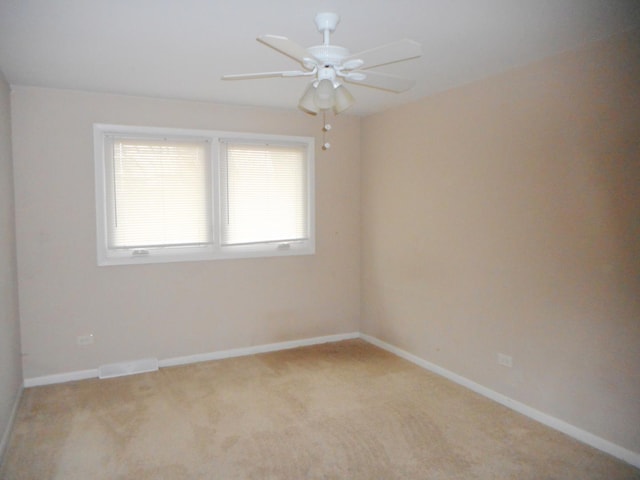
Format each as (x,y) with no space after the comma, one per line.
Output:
(107,256)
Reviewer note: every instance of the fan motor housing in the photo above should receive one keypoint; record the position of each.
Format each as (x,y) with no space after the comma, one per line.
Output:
(329,55)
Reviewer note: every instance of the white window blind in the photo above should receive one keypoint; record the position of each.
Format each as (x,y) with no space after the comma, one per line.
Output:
(158,193)
(171,195)
(264,193)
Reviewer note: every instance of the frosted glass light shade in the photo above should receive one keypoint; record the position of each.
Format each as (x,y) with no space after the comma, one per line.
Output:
(307,101)
(343,99)
(325,94)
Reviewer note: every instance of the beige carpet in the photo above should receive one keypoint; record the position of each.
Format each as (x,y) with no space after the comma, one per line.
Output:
(345,410)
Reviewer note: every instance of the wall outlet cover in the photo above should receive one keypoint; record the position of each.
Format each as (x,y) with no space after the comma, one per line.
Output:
(505,360)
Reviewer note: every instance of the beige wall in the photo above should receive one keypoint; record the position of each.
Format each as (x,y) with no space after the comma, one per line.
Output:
(504,216)
(10,361)
(173,309)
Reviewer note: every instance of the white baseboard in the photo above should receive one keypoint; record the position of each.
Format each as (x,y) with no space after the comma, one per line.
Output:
(60,378)
(199,357)
(600,443)
(270,347)
(4,441)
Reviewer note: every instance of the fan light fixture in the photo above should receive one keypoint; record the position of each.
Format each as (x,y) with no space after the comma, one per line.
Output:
(325,94)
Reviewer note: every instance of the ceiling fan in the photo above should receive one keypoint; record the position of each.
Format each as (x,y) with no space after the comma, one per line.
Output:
(331,65)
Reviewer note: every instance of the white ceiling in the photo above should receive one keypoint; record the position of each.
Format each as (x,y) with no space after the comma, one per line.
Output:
(181,48)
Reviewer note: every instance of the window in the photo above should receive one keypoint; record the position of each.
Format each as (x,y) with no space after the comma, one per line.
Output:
(166,195)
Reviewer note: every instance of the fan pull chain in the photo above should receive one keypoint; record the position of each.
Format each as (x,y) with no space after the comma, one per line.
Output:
(325,128)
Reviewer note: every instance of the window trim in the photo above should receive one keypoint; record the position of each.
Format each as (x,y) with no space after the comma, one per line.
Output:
(213,251)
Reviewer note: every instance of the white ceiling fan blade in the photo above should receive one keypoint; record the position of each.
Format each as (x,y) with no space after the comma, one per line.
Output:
(352,64)
(248,76)
(288,47)
(380,80)
(389,53)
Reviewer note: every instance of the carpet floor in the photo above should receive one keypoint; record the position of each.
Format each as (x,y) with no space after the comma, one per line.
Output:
(345,410)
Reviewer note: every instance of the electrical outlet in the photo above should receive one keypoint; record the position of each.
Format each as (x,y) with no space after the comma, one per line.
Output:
(83,340)
(505,360)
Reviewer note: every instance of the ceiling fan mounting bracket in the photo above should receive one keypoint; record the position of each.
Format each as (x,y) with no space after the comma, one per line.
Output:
(327,21)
